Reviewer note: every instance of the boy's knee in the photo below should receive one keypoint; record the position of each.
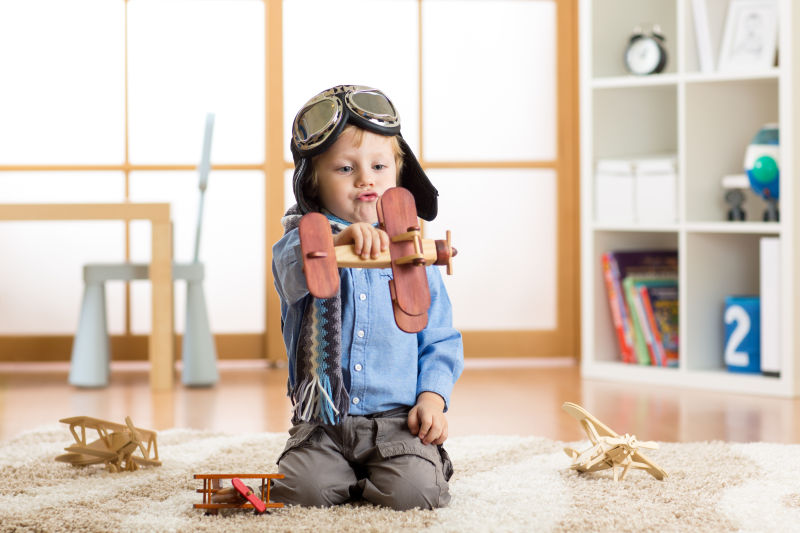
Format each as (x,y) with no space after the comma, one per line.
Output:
(411,482)
(304,494)
(313,478)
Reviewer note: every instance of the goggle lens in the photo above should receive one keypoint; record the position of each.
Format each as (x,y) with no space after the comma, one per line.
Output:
(316,119)
(372,105)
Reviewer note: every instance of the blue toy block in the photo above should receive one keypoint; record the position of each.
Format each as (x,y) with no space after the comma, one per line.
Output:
(743,334)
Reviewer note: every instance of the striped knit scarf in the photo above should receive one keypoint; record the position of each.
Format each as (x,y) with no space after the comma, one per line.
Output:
(318,394)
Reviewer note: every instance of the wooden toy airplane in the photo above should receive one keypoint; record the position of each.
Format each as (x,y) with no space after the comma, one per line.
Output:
(116,449)
(609,450)
(241,497)
(407,256)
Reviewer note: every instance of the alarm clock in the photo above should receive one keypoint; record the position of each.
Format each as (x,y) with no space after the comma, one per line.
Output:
(645,53)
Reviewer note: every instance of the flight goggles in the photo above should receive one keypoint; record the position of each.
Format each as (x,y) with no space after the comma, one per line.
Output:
(323,117)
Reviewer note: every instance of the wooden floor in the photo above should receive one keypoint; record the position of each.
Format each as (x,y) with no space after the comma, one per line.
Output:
(519,398)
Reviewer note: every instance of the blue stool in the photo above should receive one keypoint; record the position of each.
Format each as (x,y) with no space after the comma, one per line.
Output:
(91,352)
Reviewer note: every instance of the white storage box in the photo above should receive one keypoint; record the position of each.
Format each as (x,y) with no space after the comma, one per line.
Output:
(655,198)
(656,190)
(614,192)
(636,191)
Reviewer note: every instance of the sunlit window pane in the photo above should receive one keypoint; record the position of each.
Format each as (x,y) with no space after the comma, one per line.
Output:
(62,67)
(232,245)
(489,80)
(186,58)
(42,263)
(505,271)
(361,42)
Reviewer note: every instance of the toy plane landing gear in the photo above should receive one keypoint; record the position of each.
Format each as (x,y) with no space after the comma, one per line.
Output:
(609,450)
(408,254)
(241,497)
(115,449)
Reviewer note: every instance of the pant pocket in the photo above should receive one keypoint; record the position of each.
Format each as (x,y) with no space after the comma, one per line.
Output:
(299,436)
(447,464)
(393,439)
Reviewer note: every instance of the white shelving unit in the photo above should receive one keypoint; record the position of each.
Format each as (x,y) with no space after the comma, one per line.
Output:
(708,119)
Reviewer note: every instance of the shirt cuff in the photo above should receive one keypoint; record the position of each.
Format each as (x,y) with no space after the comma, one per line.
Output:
(439,382)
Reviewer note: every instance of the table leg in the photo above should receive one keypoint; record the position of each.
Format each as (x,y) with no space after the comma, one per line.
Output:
(161,345)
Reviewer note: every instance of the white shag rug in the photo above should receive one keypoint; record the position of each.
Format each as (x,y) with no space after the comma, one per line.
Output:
(500,484)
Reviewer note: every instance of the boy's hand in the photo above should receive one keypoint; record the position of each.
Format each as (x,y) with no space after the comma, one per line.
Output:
(427,420)
(368,241)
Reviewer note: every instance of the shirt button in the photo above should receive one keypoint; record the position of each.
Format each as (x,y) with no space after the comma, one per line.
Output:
(362,296)
(360,333)
(355,401)
(358,367)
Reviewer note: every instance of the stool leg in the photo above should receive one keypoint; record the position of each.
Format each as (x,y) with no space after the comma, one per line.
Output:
(199,352)
(91,351)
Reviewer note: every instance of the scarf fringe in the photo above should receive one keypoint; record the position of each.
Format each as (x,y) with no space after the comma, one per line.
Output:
(314,402)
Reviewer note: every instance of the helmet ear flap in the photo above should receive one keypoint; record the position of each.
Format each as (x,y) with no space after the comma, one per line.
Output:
(300,182)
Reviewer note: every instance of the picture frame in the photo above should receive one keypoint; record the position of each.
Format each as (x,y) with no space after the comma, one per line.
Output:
(750,37)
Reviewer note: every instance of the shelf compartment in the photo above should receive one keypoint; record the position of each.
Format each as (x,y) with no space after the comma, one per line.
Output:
(613,22)
(606,346)
(717,265)
(708,106)
(635,121)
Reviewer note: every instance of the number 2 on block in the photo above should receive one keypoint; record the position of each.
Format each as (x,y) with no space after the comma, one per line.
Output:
(736,313)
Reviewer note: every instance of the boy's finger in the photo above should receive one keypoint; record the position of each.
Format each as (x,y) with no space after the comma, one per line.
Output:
(425,426)
(413,422)
(384,239)
(443,436)
(376,244)
(358,242)
(366,250)
(434,433)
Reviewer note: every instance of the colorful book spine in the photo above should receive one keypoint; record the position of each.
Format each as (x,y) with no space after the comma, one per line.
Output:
(657,349)
(664,302)
(616,304)
(639,333)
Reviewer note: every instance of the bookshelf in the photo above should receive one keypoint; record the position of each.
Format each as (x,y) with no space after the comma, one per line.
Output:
(707,119)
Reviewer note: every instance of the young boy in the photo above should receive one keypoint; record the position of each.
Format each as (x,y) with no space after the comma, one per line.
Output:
(369,399)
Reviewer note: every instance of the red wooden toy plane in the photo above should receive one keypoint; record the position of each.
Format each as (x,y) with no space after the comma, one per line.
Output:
(239,497)
(407,256)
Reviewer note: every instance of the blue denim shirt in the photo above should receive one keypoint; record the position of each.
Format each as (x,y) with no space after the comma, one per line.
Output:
(382,366)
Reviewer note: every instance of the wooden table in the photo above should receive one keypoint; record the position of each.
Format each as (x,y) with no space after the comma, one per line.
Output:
(160,352)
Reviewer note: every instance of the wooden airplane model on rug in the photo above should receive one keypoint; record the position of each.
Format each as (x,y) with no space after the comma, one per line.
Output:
(407,256)
(609,450)
(239,496)
(116,446)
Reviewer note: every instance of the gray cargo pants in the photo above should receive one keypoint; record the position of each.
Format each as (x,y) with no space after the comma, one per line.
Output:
(374,457)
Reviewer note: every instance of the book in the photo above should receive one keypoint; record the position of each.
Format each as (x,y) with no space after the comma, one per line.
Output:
(770,270)
(656,347)
(642,338)
(702,33)
(660,303)
(646,336)
(621,264)
(617,308)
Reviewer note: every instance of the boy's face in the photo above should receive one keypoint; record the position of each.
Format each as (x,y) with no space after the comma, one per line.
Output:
(352,178)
